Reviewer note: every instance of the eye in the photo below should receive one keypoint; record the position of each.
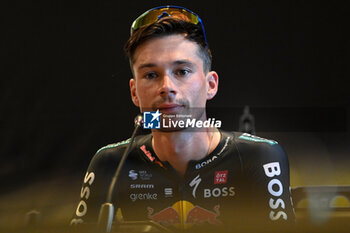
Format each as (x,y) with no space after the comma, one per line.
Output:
(151,75)
(182,72)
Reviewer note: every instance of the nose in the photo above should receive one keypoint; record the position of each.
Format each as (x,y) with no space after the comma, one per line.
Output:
(167,86)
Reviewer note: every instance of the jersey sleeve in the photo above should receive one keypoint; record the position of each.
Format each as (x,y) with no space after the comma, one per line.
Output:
(95,187)
(267,182)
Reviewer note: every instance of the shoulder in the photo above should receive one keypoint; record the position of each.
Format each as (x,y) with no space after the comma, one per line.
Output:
(114,151)
(246,138)
(262,158)
(255,148)
(113,147)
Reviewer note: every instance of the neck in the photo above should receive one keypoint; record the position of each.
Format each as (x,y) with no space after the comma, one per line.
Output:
(179,147)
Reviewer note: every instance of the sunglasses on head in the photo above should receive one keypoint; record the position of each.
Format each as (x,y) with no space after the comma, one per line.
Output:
(155,14)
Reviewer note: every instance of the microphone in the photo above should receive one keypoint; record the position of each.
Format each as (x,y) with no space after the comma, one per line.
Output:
(106,214)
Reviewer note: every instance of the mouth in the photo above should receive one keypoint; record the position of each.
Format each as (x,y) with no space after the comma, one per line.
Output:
(170,108)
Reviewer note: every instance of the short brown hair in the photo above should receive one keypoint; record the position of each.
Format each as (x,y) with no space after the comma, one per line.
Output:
(170,26)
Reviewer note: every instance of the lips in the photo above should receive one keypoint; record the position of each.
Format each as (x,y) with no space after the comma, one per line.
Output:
(170,107)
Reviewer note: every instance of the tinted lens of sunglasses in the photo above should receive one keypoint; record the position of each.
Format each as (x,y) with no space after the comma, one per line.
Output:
(154,14)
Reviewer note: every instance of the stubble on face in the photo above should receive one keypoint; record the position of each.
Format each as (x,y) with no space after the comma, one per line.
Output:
(160,51)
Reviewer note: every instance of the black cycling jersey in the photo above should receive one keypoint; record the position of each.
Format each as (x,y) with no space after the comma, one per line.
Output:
(242,184)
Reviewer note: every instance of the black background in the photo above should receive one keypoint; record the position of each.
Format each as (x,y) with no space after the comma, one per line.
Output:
(64,87)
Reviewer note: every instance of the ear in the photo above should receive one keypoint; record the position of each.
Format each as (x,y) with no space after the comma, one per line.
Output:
(212,84)
(134,98)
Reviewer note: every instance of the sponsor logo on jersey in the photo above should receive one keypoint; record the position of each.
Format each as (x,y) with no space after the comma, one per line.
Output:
(143,196)
(219,192)
(167,216)
(194,184)
(143,175)
(220,177)
(208,161)
(151,120)
(275,189)
(190,215)
(198,215)
(141,186)
(253,138)
(147,153)
(84,195)
(168,192)
(133,175)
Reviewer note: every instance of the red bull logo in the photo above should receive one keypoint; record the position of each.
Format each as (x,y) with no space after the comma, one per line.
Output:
(168,216)
(198,215)
(184,214)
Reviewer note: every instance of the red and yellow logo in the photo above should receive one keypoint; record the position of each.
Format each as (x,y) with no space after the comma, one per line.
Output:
(184,214)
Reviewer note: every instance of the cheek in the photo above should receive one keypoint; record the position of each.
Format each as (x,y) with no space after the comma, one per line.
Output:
(202,88)
(144,97)
(198,91)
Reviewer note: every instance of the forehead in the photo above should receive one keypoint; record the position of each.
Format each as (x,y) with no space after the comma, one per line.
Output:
(166,49)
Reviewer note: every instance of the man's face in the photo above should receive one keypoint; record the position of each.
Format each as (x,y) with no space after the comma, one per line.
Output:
(169,76)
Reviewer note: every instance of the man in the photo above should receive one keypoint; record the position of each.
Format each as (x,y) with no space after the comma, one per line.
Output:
(186,176)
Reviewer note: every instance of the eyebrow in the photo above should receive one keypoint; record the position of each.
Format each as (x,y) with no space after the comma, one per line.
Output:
(183,62)
(177,62)
(146,65)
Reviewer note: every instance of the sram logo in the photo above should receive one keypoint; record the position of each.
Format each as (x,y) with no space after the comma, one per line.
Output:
(84,195)
(142,186)
(275,188)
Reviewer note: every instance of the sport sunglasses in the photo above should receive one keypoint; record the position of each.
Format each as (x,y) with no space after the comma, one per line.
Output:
(155,14)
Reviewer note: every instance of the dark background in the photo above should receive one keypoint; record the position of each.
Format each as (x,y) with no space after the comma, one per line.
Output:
(64,89)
